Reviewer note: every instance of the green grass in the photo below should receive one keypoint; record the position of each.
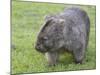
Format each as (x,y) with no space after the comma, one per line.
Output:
(27,19)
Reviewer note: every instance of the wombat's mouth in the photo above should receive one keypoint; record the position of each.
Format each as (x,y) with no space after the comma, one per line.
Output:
(40,49)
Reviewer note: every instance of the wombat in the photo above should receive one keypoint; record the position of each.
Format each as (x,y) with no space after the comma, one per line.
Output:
(66,31)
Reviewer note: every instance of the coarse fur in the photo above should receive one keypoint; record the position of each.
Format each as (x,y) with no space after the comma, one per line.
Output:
(67,31)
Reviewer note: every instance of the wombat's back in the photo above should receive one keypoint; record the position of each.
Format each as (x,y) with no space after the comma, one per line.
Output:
(77,15)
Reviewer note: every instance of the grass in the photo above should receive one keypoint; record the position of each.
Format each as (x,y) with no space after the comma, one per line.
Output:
(27,18)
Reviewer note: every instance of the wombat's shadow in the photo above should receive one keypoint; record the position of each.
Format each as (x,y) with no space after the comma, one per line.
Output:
(66,58)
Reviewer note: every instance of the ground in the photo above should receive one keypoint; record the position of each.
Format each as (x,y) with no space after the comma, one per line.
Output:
(27,19)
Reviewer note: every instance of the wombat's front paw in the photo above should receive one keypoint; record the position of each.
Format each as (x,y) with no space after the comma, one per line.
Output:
(52,58)
(51,65)
(78,62)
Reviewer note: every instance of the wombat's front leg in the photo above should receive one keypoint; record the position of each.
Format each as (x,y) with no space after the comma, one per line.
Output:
(52,58)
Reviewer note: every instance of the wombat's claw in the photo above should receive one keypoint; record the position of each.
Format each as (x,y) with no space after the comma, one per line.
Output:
(49,65)
(77,62)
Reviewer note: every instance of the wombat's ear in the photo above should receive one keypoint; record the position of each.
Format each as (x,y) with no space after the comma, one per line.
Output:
(61,21)
(46,24)
(47,17)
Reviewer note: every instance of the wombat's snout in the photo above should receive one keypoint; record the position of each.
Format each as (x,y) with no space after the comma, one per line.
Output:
(40,48)
(37,47)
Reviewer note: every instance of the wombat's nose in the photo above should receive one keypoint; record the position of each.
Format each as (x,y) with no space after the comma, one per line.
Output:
(37,47)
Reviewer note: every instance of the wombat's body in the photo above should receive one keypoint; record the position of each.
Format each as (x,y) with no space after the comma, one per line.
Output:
(67,31)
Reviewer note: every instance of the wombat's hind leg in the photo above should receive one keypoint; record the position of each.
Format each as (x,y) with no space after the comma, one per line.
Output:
(52,58)
(79,56)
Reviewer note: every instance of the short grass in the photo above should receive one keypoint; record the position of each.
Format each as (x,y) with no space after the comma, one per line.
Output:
(27,19)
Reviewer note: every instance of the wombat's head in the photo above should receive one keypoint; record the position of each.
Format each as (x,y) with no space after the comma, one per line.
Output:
(50,35)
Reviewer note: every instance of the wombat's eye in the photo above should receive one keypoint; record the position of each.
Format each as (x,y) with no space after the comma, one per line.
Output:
(45,38)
